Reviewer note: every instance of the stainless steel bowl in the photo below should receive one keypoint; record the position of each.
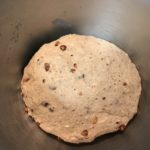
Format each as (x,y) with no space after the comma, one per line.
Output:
(26,25)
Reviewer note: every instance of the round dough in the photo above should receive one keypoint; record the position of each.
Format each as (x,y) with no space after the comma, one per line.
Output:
(80,87)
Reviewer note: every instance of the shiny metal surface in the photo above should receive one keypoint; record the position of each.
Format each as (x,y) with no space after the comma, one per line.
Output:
(26,25)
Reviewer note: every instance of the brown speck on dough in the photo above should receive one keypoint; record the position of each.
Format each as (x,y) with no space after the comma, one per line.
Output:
(32,119)
(107,64)
(64,107)
(63,47)
(38,59)
(124,84)
(46,66)
(94,120)
(38,123)
(102,58)
(22,94)
(52,87)
(72,70)
(26,79)
(73,109)
(117,122)
(122,127)
(81,77)
(51,109)
(31,110)
(26,109)
(57,43)
(103,109)
(103,98)
(96,98)
(71,55)
(45,104)
(75,65)
(43,80)
(87,109)
(80,93)
(123,92)
(84,133)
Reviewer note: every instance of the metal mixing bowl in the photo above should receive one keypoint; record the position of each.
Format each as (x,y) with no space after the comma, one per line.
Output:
(26,25)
